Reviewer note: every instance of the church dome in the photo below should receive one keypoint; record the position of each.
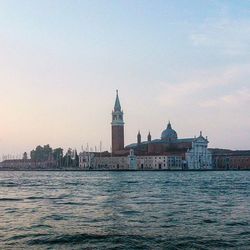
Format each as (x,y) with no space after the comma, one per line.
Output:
(169,134)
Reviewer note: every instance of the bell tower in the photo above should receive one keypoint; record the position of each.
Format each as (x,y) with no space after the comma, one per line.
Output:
(117,126)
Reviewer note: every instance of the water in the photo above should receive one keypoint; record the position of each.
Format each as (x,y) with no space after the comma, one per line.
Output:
(124,210)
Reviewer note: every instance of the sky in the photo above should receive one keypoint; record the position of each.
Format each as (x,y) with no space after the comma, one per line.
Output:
(187,61)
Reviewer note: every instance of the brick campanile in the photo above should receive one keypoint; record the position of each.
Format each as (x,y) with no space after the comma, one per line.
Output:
(117,126)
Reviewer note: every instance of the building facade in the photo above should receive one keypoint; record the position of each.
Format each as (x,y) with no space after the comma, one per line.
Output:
(117,127)
(104,161)
(28,164)
(199,157)
(167,153)
(230,159)
(94,161)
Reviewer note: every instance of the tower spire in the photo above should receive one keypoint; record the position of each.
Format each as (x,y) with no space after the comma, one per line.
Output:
(149,136)
(139,137)
(117,125)
(117,106)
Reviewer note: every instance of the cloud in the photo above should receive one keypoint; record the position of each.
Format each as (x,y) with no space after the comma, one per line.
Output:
(224,35)
(216,101)
(235,100)
(205,88)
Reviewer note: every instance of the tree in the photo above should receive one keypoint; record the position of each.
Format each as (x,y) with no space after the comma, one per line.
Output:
(58,156)
(41,153)
(76,160)
(47,152)
(67,159)
(25,156)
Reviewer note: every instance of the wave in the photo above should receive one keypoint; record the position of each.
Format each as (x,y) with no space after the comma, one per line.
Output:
(11,199)
(9,184)
(35,198)
(133,241)
(86,238)
(238,223)
(209,221)
(24,236)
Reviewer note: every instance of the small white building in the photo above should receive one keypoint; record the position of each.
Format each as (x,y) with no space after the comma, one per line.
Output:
(199,157)
(95,161)
(88,161)
(160,162)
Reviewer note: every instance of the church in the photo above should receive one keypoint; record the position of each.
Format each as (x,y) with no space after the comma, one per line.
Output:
(166,153)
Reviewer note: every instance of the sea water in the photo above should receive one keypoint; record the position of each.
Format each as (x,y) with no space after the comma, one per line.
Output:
(125,210)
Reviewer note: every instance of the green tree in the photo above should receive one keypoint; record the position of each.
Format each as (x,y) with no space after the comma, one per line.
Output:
(47,152)
(68,158)
(41,153)
(76,159)
(58,156)
(25,156)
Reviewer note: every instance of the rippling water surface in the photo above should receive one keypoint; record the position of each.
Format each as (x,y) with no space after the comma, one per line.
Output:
(124,210)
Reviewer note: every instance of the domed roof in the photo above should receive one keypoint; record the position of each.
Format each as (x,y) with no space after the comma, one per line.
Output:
(169,134)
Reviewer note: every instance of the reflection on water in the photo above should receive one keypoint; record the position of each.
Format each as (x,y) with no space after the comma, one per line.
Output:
(136,210)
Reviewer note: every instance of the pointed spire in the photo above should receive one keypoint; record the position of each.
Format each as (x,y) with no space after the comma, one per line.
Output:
(139,137)
(169,125)
(117,106)
(149,136)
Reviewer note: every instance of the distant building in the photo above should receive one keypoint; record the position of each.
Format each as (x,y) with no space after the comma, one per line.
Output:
(117,126)
(166,153)
(27,164)
(160,162)
(102,161)
(186,153)
(230,159)
(199,157)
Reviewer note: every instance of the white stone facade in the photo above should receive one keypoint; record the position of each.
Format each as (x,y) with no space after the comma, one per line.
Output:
(110,163)
(86,160)
(199,157)
(159,162)
(89,161)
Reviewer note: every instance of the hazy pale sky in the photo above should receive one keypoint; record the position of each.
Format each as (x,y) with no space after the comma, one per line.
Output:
(187,61)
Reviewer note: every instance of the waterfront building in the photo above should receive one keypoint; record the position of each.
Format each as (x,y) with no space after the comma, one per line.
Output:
(86,160)
(160,162)
(167,153)
(199,157)
(93,161)
(225,159)
(104,161)
(27,164)
(170,152)
(117,127)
